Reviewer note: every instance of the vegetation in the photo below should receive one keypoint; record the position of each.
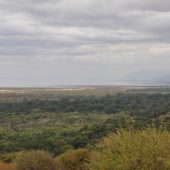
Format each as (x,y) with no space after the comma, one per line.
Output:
(62,131)
(148,105)
(5,166)
(74,121)
(55,132)
(37,160)
(147,149)
(74,160)
(126,150)
(163,121)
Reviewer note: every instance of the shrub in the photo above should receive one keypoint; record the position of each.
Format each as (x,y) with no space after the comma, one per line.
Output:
(37,160)
(133,150)
(73,160)
(5,166)
(8,157)
(163,121)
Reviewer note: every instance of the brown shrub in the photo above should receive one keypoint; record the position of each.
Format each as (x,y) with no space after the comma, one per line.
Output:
(5,166)
(37,160)
(74,160)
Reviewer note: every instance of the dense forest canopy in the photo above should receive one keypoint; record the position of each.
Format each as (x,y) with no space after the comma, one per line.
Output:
(149,105)
(63,124)
(74,121)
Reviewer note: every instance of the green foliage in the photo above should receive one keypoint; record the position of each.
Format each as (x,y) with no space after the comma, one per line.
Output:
(35,160)
(163,121)
(71,122)
(147,149)
(148,105)
(52,132)
(74,160)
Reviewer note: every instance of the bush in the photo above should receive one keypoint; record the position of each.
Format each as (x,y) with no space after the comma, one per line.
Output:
(163,121)
(37,160)
(133,150)
(5,166)
(8,157)
(73,160)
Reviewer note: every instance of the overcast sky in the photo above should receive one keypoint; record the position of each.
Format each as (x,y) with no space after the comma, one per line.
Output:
(54,42)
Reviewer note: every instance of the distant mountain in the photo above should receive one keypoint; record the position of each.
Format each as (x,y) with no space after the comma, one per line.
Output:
(149,76)
(163,79)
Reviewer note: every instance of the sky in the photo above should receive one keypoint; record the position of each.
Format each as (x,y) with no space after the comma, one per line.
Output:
(68,42)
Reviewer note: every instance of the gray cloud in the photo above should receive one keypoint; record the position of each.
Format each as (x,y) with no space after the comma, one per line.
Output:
(44,42)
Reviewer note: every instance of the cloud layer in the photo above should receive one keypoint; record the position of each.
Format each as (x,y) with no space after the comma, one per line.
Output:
(50,42)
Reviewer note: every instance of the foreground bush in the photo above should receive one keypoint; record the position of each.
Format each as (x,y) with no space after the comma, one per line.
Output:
(35,160)
(5,166)
(140,150)
(163,121)
(73,160)
(8,157)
